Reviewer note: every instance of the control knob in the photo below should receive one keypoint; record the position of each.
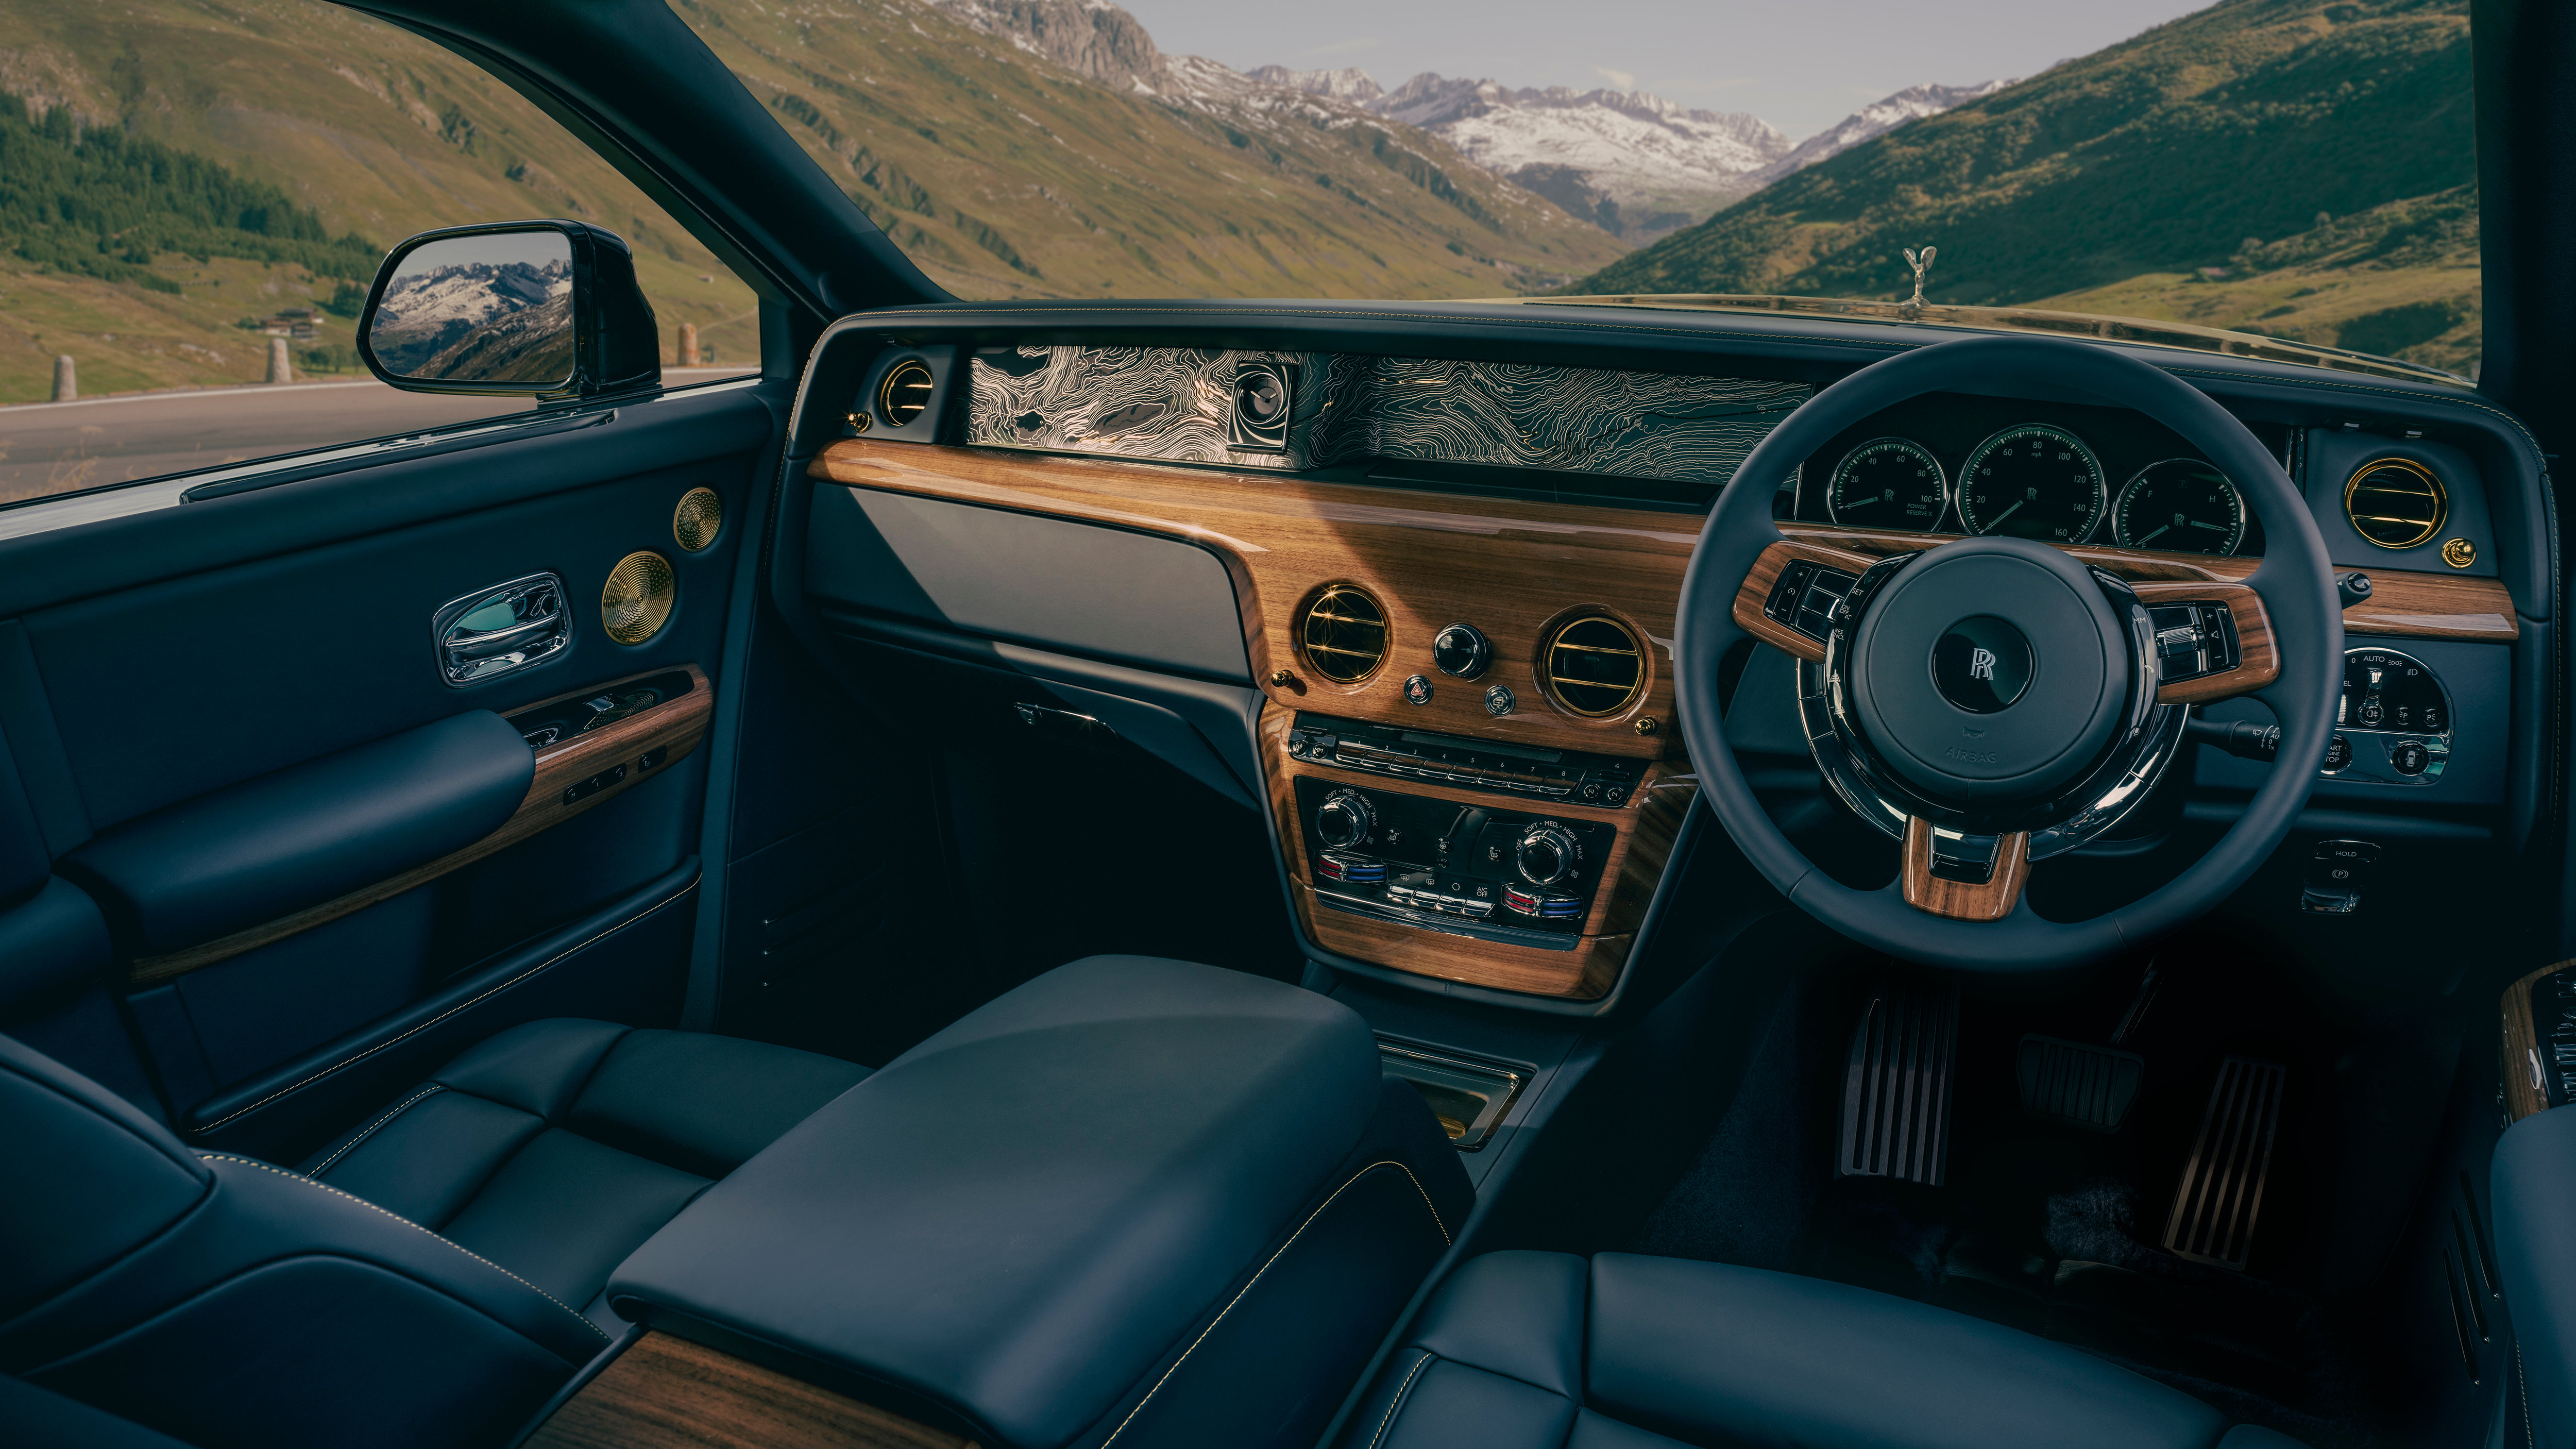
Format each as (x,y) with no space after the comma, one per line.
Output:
(1548,854)
(1344,818)
(1462,651)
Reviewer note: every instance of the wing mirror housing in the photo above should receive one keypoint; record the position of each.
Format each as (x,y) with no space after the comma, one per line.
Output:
(543,309)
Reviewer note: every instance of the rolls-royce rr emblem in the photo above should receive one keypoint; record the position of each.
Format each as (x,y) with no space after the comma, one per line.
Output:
(1981,664)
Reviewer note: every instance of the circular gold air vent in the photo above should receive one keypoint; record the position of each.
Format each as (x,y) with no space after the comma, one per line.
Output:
(905,392)
(698,519)
(1344,634)
(1595,666)
(638,598)
(2395,502)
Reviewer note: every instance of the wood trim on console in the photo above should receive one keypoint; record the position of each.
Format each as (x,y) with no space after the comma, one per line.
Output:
(677,724)
(2520,1065)
(669,1393)
(1647,828)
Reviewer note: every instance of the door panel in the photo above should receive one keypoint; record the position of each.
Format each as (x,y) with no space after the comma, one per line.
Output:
(156,658)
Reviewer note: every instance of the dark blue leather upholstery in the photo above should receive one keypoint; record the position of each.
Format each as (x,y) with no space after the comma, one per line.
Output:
(269,847)
(39,1419)
(2532,1178)
(1135,1201)
(1543,1350)
(556,1147)
(227,1302)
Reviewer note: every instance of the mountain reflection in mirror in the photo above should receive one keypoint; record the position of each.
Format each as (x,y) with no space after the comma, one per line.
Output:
(496,307)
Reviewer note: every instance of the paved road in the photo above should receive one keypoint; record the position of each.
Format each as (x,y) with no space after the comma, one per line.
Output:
(50,448)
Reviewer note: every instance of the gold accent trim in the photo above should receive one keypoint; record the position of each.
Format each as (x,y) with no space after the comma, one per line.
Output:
(912,375)
(636,601)
(2459,553)
(698,519)
(1340,608)
(2410,470)
(1558,681)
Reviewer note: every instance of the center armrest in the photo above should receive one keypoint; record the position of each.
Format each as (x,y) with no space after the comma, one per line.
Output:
(1008,1227)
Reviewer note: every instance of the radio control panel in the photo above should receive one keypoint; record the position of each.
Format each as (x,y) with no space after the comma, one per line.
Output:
(1606,781)
(1505,872)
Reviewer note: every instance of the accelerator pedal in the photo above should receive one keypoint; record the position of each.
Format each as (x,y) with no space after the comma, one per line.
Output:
(1896,1085)
(2078,1085)
(2222,1187)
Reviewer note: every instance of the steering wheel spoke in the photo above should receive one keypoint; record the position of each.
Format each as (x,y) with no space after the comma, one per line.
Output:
(2219,643)
(1792,586)
(1939,882)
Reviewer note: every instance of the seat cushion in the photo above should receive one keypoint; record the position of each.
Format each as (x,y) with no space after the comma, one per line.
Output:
(557,1147)
(1545,1351)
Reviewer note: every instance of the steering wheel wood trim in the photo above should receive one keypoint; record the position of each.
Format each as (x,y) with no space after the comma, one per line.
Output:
(1989,900)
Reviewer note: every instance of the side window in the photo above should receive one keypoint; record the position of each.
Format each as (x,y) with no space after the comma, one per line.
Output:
(197,201)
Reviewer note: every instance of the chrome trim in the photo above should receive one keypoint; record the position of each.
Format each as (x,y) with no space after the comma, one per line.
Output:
(544,628)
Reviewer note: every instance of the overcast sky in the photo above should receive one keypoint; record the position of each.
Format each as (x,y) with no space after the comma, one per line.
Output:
(1799,64)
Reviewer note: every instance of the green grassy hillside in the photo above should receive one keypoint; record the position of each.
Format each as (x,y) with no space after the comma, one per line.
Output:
(1003,173)
(2187,147)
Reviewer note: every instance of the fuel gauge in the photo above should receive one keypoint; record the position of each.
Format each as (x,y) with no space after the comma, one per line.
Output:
(2181,505)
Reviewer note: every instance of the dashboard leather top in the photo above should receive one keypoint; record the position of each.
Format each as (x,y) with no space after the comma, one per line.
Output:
(310,833)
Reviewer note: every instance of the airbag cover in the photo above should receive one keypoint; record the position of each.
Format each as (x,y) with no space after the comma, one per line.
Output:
(1019,1217)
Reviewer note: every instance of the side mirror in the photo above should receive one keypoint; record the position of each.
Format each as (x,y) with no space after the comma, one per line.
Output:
(546,309)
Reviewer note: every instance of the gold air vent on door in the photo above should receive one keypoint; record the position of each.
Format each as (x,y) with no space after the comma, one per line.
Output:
(1595,666)
(2395,502)
(1344,634)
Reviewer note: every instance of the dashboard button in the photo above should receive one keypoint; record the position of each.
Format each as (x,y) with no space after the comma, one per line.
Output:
(2338,754)
(1462,651)
(2409,757)
(1417,689)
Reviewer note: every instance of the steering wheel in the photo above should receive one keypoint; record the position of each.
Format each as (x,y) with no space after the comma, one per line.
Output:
(1984,694)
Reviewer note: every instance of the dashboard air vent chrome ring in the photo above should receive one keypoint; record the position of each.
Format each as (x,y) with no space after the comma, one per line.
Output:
(1344,634)
(2395,502)
(905,393)
(1595,666)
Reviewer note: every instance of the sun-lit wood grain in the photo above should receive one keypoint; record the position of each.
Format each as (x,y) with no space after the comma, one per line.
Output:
(669,1393)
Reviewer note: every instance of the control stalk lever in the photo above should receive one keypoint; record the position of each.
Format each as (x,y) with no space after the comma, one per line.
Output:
(2244,739)
(2352,587)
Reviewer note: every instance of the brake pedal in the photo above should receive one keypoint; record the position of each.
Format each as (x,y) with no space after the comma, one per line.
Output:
(1896,1086)
(2222,1187)
(2078,1085)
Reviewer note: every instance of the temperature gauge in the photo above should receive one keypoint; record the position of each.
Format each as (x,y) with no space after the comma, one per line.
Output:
(2181,505)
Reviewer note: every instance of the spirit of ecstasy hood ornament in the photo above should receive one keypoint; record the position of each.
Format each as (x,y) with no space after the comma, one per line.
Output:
(1912,307)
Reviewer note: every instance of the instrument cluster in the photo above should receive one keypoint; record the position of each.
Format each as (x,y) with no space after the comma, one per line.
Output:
(2128,483)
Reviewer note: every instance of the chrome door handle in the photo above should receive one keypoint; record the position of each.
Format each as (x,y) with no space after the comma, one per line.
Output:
(500,629)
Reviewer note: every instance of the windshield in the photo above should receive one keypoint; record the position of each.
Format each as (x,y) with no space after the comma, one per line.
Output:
(2288,169)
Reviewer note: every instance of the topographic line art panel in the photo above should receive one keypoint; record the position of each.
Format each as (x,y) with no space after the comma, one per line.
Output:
(1172,404)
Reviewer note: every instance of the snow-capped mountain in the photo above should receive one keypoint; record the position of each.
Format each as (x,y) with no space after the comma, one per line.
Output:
(1910,104)
(1636,164)
(425,316)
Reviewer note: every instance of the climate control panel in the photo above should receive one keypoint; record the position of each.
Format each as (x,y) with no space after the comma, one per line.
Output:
(1490,871)
(2395,724)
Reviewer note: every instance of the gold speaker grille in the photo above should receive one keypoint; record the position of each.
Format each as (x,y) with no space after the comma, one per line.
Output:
(1344,634)
(1595,667)
(2395,502)
(637,601)
(698,519)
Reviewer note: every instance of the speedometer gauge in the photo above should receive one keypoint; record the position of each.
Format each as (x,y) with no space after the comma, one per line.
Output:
(1888,483)
(2033,481)
(2182,505)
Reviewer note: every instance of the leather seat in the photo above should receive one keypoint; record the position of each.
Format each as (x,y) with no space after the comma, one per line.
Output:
(1521,1350)
(557,1147)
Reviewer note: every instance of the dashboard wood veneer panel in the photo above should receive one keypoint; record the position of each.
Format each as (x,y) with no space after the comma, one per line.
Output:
(675,724)
(1507,566)
(1647,830)
(669,1393)
(2402,602)
(2519,1050)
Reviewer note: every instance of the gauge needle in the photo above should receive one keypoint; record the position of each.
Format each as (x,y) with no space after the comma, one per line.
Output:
(1857,502)
(2007,513)
(2212,527)
(2150,538)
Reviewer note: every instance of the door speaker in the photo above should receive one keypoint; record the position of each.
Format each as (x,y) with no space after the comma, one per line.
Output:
(698,519)
(637,602)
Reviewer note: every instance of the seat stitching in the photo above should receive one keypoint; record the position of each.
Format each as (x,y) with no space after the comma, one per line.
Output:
(1401,1390)
(444,1015)
(406,1222)
(326,1163)
(1256,1280)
